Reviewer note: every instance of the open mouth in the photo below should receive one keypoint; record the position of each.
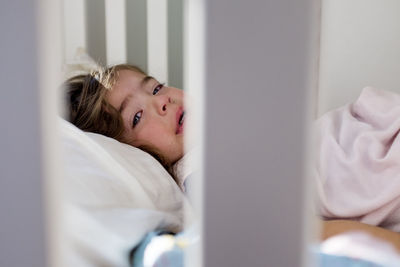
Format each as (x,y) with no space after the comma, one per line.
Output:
(180,120)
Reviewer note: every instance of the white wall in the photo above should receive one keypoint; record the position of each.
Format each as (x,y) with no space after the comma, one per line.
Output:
(360,46)
(175,43)
(95,29)
(136,18)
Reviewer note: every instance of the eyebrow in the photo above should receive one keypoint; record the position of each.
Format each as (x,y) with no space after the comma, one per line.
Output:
(145,80)
(123,104)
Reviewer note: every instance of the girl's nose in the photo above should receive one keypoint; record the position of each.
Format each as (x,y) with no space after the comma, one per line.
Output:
(161,103)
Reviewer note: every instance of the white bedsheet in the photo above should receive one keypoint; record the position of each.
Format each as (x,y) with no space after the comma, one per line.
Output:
(358,160)
(114,195)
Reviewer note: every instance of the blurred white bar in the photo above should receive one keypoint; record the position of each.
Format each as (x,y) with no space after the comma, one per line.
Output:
(74,31)
(22,224)
(157,42)
(259,59)
(115,31)
(50,54)
(194,83)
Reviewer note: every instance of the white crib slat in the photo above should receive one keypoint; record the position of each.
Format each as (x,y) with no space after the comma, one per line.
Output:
(194,83)
(51,105)
(115,31)
(23,237)
(257,58)
(74,33)
(157,42)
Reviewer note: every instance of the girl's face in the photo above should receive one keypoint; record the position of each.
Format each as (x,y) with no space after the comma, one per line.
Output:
(153,114)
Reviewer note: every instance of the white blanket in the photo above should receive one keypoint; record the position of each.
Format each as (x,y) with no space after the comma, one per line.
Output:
(358,160)
(114,194)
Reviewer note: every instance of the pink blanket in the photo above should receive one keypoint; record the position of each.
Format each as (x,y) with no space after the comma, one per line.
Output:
(358,160)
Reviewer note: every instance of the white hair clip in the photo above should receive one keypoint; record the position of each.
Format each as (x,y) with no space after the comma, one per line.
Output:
(96,76)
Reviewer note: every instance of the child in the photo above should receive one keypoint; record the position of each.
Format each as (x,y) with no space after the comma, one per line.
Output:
(124,103)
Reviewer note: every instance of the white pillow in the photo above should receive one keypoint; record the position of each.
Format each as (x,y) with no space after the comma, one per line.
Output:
(114,195)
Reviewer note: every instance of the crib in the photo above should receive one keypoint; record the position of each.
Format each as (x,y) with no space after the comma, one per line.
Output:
(113,32)
(260,72)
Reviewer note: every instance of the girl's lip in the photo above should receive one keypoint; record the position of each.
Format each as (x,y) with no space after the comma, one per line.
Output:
(179,128)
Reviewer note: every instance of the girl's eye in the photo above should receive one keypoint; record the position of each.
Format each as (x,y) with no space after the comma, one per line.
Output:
(136,118)
(158,88)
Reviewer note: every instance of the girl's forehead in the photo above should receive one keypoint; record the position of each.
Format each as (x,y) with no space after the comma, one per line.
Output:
(128,83)
(129,75)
